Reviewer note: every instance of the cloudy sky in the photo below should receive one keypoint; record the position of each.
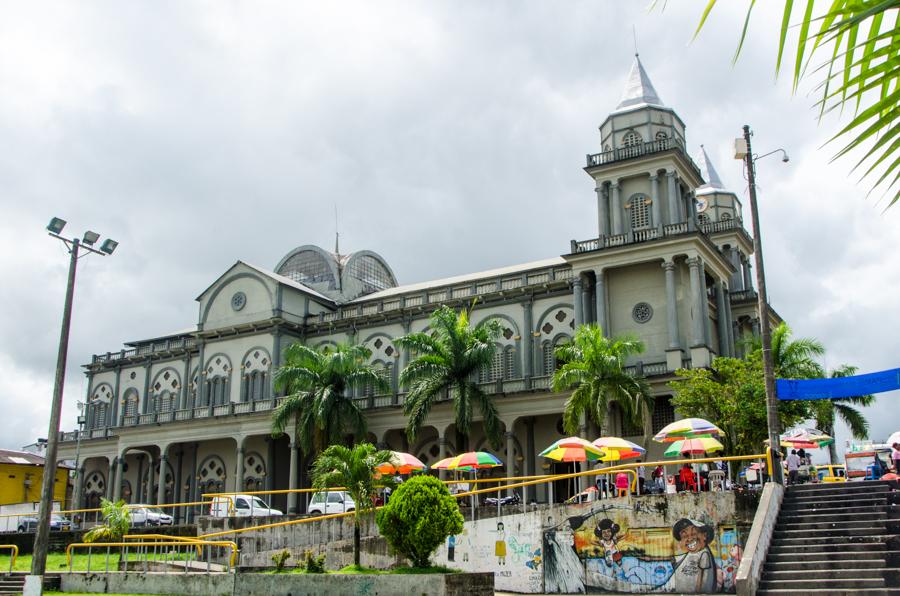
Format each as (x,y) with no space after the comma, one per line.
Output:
(450,136)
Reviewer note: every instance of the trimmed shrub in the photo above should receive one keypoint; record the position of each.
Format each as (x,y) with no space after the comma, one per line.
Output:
(280,558)
(419,517)
(311,563)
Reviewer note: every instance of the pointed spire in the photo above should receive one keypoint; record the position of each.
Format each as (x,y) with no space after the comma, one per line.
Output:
(708,172)
(638,88)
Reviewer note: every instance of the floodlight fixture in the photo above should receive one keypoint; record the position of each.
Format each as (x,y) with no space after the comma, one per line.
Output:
(108,246)
(56,225)
(90,238)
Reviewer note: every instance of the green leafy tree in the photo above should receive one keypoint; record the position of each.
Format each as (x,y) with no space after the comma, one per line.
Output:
(849,51)
(116,522)
(731,394)
(354,469)
(419,517)
(447,363)
(318,386)
(825,411)
(594,369)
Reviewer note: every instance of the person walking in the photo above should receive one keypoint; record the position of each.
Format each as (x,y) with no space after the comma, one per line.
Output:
(793,466)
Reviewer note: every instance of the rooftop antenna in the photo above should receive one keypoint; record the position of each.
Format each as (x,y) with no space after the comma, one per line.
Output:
(337,236)
(634,37)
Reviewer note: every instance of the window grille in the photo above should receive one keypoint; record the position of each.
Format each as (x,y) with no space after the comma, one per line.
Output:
(662,140)
(703,218)
(371,273)
(640,212)
(131,405)
(510,363)
(548,358)
(309,267)
(99,420)
(725,216)
(663,412)
(631,139)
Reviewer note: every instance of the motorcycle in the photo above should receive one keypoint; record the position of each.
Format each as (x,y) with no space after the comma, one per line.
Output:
(503,501)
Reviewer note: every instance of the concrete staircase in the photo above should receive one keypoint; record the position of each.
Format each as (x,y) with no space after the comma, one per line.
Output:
(14,583)
(840,538)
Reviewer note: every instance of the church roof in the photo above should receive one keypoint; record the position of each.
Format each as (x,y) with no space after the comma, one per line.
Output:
(709,174)
(639,90)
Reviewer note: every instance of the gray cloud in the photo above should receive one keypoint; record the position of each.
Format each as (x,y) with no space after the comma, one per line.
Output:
(450,138)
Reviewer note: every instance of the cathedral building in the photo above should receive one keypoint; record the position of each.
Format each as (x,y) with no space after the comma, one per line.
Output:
(171,417)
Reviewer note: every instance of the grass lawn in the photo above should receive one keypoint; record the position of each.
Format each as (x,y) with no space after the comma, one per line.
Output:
(56,562)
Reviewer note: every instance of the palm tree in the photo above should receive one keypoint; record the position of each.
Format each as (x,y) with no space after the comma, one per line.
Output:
(447,364)
(857,72)
(354,469)
(318,385)
(594,368)
(116,522)
(791,358)
(826,411)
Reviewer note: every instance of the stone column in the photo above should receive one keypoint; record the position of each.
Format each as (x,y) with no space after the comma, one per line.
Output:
(239,472)
(600,298)
(528,340)
(671,306)
(729,323)
(586,303)
(442,445)
(111,476)
(754,325)
(616,208)
(292,476)
(724,324)
(138,490)
(671,187)
(737,278)
(161,490)
(748,275)
(151,465)
(510,456)
(529,458)
(697,295)
(602,211)
(579,309)
(178,512)
(192,480)
(655,211)
(79,486)
(270,463)
(707,331)
(117,482)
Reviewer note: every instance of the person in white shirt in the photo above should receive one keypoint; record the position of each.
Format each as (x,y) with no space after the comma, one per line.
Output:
(793,466)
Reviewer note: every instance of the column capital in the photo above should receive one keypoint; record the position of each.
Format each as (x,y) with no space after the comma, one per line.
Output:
(693,262)
(654,176)
(509,434)
(599,270)
(671,173)
(669,265)
(614,184)
(577,283)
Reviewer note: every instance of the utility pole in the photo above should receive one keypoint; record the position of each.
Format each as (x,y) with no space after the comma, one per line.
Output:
(765,332)
(34,582)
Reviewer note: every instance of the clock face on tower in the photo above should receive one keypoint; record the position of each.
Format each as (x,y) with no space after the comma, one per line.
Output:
(702,204)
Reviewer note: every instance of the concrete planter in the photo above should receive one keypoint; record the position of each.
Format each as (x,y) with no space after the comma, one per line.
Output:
(296,584)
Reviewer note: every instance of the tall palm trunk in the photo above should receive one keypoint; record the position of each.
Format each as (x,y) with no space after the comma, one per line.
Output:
(356,542)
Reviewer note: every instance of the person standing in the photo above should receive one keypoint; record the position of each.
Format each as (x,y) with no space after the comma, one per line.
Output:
(641,478)
(895,456)
(793,466)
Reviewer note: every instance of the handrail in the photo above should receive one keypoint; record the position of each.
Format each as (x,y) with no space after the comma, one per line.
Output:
(222,543)
(127,505)
(494,489)
(185,539)
(14,556)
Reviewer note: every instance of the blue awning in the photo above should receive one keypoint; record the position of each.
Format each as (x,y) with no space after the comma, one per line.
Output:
(887,380)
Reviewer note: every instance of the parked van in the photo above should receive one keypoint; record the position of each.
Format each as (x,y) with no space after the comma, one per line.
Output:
(241,506)
(331,502)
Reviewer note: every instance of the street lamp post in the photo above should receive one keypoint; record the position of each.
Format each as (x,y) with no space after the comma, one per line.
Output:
(744,151)
(34,582)
(78,479)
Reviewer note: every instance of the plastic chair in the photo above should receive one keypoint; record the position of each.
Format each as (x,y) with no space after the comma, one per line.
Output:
(717,480)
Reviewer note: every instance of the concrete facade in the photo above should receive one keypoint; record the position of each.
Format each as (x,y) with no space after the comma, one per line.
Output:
(197,404)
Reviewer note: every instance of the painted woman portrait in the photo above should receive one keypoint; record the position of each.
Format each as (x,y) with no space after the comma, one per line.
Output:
(695,569)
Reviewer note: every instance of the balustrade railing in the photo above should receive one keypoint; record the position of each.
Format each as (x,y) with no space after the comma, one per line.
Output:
(742,295)
(630,152)
(169,345)
(201,412)
(243,407)
(645,235)
(222,410)
(183,414)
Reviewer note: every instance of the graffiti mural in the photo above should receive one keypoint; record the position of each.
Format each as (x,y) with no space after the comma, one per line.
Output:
(610,549)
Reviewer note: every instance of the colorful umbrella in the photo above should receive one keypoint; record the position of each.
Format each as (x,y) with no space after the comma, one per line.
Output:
(687,428)
(618,449)
(471,460)
(809,435)
(697,446)
(572,449)
(401,463)
(894,438)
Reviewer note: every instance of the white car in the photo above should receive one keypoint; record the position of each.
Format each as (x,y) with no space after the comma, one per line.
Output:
(241,506)
(331,502)
(142,515)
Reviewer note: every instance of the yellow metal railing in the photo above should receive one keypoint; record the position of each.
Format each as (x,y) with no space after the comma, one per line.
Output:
(97,511)
(144,545)
(14,555)
(157,537)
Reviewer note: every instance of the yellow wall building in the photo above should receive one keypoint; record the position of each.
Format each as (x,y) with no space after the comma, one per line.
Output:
(21,476)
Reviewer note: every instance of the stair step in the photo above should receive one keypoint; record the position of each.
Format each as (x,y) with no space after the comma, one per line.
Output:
(829,592)
(854,573)
(818,556)
(810,584)
(848,514)
(828,505)
(844,497)
(867,530)
(828,486)
(825,565)
(800,547)
(816,524)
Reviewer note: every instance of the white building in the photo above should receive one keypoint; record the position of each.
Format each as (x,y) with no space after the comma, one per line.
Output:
(669,264)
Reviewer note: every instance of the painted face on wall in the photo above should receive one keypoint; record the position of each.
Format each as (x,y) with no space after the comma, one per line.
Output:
(606,534)
(692,539)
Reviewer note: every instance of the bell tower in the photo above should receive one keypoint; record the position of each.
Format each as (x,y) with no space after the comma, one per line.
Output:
(643,177)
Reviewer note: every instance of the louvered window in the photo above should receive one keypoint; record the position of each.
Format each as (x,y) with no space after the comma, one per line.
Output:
(640,212)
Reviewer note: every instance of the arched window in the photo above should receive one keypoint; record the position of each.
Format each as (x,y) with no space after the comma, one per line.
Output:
(255,375)
(509,363)
(631,139)
(99,406)
(94,488)
(640,212)
(131,400)
(703,218)
(165,390)
(212,475)
(218,371)
(495,370)
(662,140)
(548,358)
(725,216)
(254,472)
